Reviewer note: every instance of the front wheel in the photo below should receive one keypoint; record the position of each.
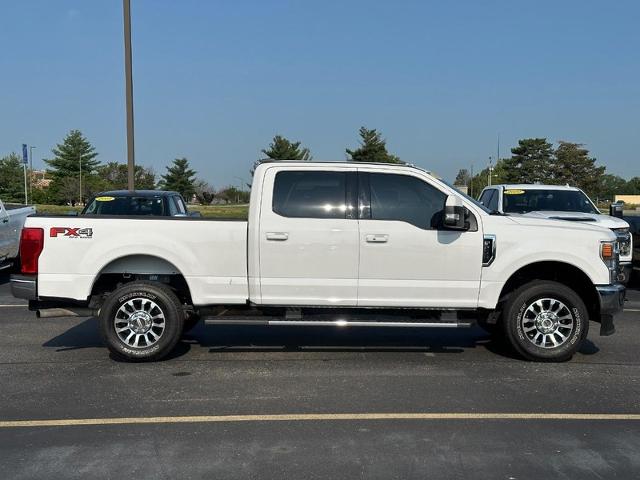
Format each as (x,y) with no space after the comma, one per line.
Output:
(141,321)
(545,321)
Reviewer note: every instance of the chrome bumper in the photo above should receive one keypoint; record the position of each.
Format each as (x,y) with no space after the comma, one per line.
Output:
(24,286)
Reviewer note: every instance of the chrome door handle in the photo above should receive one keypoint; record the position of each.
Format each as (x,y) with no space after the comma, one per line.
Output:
(377,238)
(277,236)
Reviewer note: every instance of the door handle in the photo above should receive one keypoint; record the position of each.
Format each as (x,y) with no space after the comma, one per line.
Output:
(377,238)
(277,236)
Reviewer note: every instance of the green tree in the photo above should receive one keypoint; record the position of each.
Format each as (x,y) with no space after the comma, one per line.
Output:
(74,151)
(610,186)
(481,179)
(116,174)
(204,192)
(463,177)
(282,148)
(531,161)
(11,179)
(373,148)
(180,178)
(574,166)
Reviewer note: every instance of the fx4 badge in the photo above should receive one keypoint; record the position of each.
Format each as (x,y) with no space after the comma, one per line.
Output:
(71,232)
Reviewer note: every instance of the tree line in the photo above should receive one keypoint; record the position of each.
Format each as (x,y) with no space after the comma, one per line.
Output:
(532,160)
(74,171)
(536,160)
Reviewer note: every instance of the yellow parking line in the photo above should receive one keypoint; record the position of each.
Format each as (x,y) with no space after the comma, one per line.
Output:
(298,417)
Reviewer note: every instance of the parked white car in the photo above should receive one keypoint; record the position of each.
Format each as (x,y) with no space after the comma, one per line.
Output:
(327,244)
(559,203)
(12,219)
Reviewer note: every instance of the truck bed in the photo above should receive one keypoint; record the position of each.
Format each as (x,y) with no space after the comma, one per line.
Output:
(211,255)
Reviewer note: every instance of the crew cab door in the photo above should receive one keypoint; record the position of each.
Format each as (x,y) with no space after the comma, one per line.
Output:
(308,237)
(406,257)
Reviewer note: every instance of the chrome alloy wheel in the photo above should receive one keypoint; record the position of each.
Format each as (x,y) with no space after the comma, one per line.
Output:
(547,323)
(139,322)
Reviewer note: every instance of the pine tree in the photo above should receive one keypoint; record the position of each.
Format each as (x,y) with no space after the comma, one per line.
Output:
(463,177)
(74,150)
(281,148)
(574,166)
(180,178)
(531,161)
(11,178)
(373,148)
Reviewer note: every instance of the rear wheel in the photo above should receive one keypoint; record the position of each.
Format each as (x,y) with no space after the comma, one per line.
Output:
(141,321)
(545,321)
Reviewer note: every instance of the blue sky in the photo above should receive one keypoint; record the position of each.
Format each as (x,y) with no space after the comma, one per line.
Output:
(215,80)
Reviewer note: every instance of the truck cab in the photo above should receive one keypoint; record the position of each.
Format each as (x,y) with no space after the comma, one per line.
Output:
(558,202)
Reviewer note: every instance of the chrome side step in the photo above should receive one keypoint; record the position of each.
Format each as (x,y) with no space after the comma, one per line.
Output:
(330,323)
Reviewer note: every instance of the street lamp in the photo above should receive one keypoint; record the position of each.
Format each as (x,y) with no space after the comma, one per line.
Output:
(126,8)
(490,171)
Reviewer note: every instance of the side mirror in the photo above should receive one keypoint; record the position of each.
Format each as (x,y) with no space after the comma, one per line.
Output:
(454,214)
(616,209)
(195,214)
(72,213)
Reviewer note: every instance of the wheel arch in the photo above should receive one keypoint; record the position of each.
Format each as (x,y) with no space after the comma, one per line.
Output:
(565,273)
(127,268)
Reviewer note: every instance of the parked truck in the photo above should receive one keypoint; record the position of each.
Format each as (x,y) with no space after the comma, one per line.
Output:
(328,245)
(560,202)
(12,219)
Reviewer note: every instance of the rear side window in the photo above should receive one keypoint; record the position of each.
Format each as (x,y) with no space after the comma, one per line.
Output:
(106,205)
(310,194)
(405,198)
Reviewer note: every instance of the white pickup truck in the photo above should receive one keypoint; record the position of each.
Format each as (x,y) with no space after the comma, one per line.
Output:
(12,219)
(560,202)
(327,244)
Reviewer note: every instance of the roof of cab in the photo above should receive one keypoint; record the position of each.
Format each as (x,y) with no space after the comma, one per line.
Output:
(137,193)
(533,186)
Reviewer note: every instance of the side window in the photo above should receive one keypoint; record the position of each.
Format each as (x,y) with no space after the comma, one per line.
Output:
(310,194)
(493,201)
(485,197)
(406,199)
(173,210)
(179,205)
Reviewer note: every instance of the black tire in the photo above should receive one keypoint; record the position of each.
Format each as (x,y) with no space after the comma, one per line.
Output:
(532,337)
(134,299)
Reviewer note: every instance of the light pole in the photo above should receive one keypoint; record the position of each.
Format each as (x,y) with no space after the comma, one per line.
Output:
(31,173)
(126,6)
(490,171)
(80,189)
(239,189)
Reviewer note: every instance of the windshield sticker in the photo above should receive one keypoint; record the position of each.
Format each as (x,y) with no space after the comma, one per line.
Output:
(513,191)
(104,199)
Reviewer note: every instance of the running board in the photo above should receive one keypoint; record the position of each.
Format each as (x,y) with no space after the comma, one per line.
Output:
(330,323)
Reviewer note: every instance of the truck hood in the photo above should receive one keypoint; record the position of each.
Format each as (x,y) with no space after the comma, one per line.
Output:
(605,221)
(555,224)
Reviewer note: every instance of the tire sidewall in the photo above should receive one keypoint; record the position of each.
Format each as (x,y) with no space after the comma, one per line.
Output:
(524,297)
(173,324)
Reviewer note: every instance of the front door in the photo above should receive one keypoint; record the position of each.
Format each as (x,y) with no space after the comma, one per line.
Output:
(308,237)
(406,258)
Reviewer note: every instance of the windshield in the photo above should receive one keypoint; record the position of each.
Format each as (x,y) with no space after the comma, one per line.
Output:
(521,201)
(108,205)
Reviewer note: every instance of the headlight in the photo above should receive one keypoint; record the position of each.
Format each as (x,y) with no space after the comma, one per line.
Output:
(624,241)
(609,255)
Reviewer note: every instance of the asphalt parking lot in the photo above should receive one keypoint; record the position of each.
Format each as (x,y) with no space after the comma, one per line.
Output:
(393,403)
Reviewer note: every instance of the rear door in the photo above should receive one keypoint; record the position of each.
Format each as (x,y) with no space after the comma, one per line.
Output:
(308,237)
(406,258)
